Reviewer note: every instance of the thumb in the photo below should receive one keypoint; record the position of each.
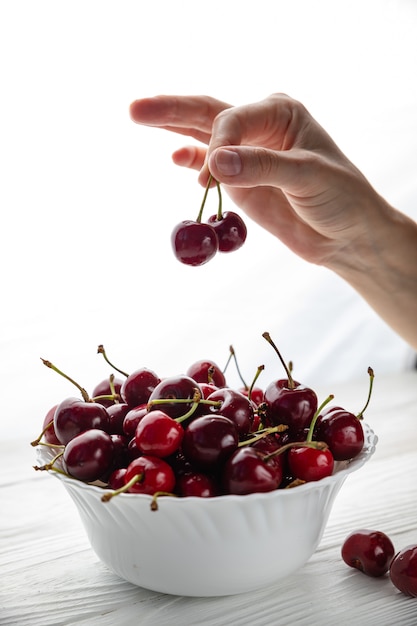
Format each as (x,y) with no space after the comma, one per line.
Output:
(246,166)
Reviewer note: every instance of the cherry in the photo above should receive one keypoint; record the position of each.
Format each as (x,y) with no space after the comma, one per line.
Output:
(230,229)
(247,471)
(73,416)
(48,429)
(138,386)
(107,388)
(194,243)
(117,413)
(209,440)
(174,395)
(158,434)
(117,478)
(196,484)
(207,371)
(287,401)
(343,433)
(132,419)
(310,464)
(369,551)
(89,455)
(149,474)
(235,406)
(403,570)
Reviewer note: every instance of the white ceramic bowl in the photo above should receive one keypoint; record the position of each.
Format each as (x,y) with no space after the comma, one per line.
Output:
(209,546)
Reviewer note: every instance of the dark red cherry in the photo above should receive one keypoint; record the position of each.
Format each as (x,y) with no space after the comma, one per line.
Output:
(117,478)
(235,406)
(89,455)
(73,416)
(291,405)
(153,474)
(209,440)
(230,229)
(310,464)
(247,471)
(256,394)
(196,484)
(403,570)
(138,386)
(117,413)
(132,419)
(174,388)
(206,371)
(194,243)
(369,551)
(48,427)
(158,434)
(103,388)
(343,433)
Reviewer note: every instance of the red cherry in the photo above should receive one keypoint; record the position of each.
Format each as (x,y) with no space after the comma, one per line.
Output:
(89,455)
(370,551)
(174,388)
(235,406)
(403,570)
(73,416)
(230,229)
(310,464)
(196,484)
(291,405)
(206,371)
(103,388)
(158,434)
(343,433)
(48,427)
(194,243)
(209,440)
(247,471)
(138,386)
(152,473)
(132,419)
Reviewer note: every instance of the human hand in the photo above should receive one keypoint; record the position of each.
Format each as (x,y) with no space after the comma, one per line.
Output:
(277,163)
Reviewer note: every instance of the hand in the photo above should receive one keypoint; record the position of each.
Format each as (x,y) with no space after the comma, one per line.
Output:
(276,163)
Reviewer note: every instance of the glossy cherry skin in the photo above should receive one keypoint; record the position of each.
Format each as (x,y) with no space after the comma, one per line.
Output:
(403,570)
(73,416)
(138,386)
(196,484)
(206,371)
(230,229)
(48,424)
(246,471)
(103,389)
(369,551)
(293,407)
(194,243)
(235,406)
(117,413)
(257,394)
(132,419)
(343,433)
(173,388)
(89,455)
(158,434)
(309,464)
(155,475)
(209,440)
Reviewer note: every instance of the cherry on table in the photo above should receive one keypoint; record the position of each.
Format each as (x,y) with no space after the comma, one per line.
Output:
(403,570)
(369,551)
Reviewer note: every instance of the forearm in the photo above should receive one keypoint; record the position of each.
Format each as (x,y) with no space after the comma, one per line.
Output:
(382,268)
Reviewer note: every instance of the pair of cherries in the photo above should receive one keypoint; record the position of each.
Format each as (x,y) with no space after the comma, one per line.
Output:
(372,552)
(196,242)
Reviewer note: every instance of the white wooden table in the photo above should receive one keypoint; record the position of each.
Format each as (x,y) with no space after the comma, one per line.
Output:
(50,575)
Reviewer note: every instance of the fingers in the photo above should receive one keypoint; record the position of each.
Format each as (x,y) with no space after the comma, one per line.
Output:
(185,115)
(243,166)
(190,156)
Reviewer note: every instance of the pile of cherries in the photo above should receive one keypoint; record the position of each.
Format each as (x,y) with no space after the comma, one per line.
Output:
(372,552)
(193,435)
(195,242)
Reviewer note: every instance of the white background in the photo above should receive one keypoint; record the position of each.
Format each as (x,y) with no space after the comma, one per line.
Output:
(88,199)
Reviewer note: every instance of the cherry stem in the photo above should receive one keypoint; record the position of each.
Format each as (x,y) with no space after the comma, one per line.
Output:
(50,465)
(137,478)
(267,336)
(258,372)
(371,384)
(156,495)
(219,210)
(264,433)
(37,441)
(315,417)
(101,350)
(232,355)
(84,394)
(196,401)
(317,445)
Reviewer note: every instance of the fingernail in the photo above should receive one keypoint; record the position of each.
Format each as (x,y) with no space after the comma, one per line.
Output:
(228,162)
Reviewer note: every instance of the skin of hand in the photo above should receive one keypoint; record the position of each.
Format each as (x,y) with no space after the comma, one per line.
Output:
(287,174)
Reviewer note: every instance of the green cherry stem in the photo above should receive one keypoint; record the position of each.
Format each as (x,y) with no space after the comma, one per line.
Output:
(101,350)
(137,478)
(310,433)
(291,384)
(53,367)
(203,203)
(371,384)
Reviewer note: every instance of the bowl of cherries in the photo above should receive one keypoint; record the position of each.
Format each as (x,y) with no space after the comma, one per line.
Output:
(191,487)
